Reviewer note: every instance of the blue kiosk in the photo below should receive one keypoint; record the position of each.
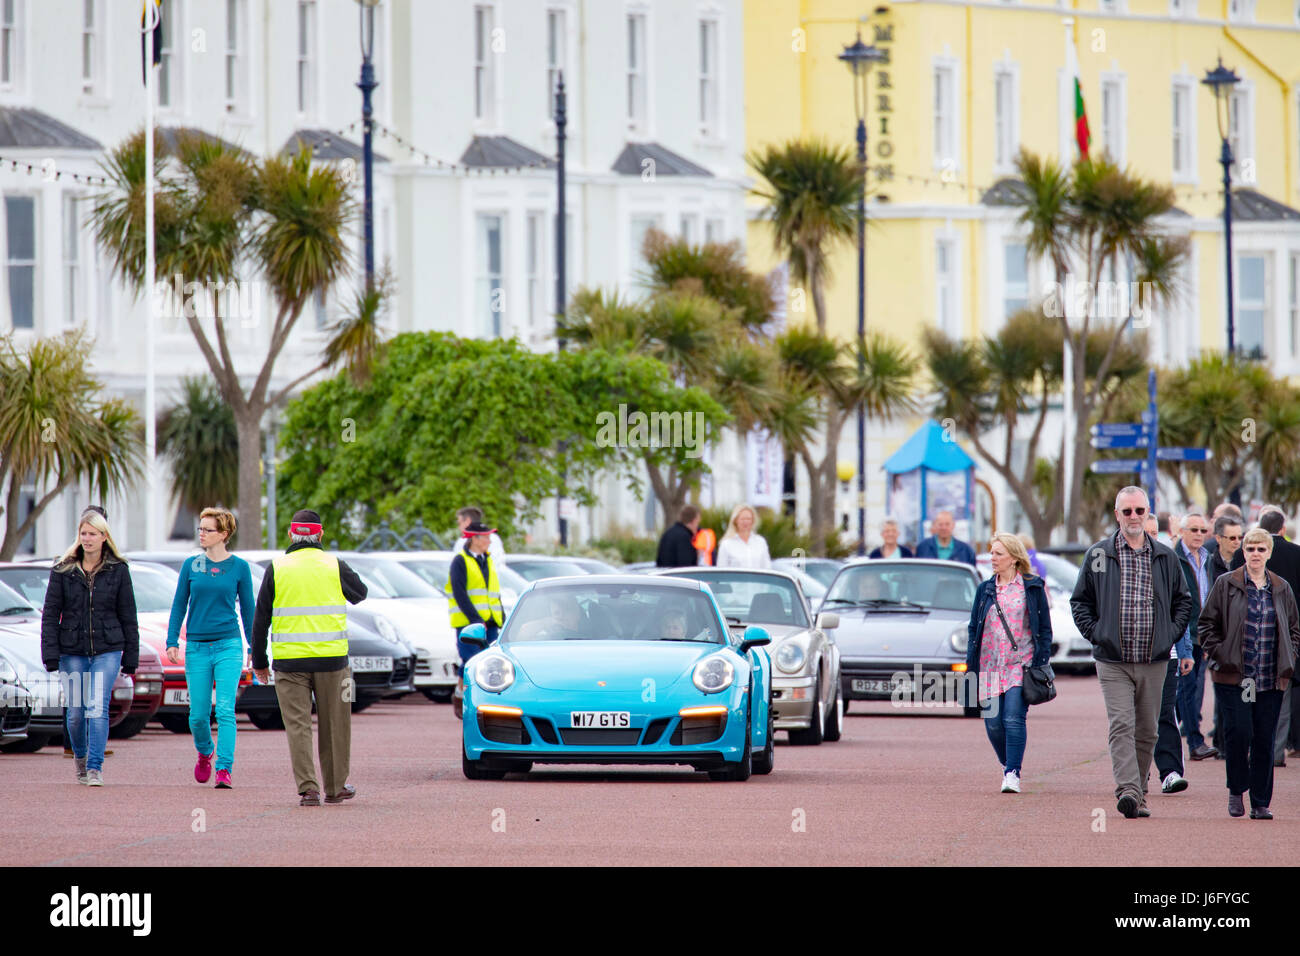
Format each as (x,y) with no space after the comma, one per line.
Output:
(929,474)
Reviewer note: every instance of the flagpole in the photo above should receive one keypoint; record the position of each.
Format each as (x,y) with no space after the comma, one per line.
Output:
(1067,356)
(150,397)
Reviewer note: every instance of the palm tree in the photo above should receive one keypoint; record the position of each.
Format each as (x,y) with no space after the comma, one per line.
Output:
(812,191)
(226,217)
(356,341)
(1093,217)
(199,438)
(56,431)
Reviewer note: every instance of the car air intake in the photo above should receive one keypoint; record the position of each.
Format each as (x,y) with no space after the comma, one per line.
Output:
(697,730)
(654,730)
(503,730)
(545,729)
(603,738)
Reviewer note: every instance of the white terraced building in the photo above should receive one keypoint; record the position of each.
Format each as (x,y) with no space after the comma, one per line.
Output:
(465,195)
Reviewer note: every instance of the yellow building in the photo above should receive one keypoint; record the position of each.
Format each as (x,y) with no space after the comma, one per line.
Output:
(968,83)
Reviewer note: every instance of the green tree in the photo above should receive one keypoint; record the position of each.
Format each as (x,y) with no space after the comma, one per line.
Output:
(1094,217)
(811,189)
(198,437)
(444,420)
(222,219)
(57,429)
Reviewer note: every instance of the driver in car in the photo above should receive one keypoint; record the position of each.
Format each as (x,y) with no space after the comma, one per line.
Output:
(672,626)
(565,622)
(872,588)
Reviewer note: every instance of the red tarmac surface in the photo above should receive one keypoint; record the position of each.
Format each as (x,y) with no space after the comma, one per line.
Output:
(916,787)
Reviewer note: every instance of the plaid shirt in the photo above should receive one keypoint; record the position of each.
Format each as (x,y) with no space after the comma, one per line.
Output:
(1259,643)
(1137,616)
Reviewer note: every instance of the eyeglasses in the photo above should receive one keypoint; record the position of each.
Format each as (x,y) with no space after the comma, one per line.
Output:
(1132,511)
(203,530)
(1197,530)
(1256,550)
(1230,537)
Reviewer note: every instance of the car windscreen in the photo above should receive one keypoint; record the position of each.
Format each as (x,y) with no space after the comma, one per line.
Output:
(902,583)
(536,570)
(12,601)
(755,598)
(393,579)
(154,588)
(614,612)
(28,581)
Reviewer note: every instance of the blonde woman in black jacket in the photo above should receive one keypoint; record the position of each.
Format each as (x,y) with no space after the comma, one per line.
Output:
(88,633)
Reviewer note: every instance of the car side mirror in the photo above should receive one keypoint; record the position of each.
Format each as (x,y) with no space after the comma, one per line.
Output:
(475,634)
(754,637)
(828,621)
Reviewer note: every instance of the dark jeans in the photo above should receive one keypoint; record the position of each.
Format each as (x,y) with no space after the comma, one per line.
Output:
(1293,740)
(469,650)
(1006,727)
(1169,745)
(1248,729)
(1191,695)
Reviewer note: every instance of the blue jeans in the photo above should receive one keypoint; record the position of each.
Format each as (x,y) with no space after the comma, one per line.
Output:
(88,688)
(1191,695)
(1004,722)
(218,662)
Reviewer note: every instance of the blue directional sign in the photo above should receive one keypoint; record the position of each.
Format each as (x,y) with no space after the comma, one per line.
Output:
(1183,454)
(1117,429)
(1119,441)
(1118,466)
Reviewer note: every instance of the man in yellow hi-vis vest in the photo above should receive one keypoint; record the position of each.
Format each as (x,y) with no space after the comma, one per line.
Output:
(473,591)
(301,603)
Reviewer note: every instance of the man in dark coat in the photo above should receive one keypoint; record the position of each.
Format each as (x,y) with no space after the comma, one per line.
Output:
(942,544)
(676,547)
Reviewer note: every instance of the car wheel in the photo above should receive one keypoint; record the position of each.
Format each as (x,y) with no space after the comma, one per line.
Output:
(33,743)
(174,722)
(474,769)
(439,695)
(764,762)
(267,720)
(844,701)
(834,720)
(129,727)
(743,767)
(814,734)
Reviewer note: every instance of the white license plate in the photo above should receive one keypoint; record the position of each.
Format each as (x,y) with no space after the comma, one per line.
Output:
(362,665)
(882,686)
(600,718)
(182,696)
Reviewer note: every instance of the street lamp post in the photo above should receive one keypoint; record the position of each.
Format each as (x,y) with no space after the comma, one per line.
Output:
(859,58)
(1221,81)
(367,87)
(561,121)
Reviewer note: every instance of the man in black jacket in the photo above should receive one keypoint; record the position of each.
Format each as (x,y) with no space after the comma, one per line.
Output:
(1195,559)
(676,547)
(1132,604)
(1285,563)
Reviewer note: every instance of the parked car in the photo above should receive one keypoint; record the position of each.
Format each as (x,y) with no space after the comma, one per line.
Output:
(902,623)
(434,566)
(146,693)
(638,567)
(806,677)
(16,705)
(823,570)
(647,672)
(1071,651)
(23,650)
(534,567)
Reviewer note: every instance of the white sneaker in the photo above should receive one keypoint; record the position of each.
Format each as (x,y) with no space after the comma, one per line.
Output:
(94,778)
(1174,783)
(1011,782)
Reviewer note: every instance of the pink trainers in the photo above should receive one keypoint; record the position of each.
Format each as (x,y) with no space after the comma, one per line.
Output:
(203,769)
(223,780)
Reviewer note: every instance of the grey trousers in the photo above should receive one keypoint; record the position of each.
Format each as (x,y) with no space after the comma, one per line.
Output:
(333,693)
(1132,693)
(1283,727)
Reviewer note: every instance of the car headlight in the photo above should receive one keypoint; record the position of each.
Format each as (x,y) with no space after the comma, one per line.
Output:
(790,657)
(713,674)
(494,673)
(959,639)
(385,628)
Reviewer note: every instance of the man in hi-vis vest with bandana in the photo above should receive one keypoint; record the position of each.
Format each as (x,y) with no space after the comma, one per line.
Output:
(473,595)
(301,603)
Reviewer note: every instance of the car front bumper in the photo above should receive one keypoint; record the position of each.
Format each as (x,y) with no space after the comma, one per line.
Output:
(792,702)
(898,681)
(436,670)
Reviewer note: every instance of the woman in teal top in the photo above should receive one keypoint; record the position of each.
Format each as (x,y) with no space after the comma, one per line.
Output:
(214,652)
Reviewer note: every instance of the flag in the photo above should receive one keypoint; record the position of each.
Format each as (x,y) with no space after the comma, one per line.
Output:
(1082,136)
(157,37)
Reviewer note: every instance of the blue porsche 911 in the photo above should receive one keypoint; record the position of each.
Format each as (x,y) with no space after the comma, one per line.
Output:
(618,669)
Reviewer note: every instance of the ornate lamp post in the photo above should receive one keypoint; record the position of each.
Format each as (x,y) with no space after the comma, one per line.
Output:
(859,57)
(1221,81)
(367,86)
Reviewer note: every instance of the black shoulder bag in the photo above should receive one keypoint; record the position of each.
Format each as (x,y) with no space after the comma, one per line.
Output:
(1039,683)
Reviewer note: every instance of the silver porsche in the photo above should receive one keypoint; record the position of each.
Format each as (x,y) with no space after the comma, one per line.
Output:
(902,629)
(806,698)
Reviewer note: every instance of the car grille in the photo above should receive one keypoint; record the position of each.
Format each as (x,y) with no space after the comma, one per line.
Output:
(599,737)
(654,730)
(503,730)
(401,669)
(697,730)
(16,718)
(423,666)
(545,730)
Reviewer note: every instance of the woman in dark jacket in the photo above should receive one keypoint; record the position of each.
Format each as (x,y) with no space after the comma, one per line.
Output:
(1250,630)
(1010,628)
(88,633)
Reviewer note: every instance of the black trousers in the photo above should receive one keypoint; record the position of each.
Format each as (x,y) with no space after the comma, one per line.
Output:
(1248,730)
(1169,743)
